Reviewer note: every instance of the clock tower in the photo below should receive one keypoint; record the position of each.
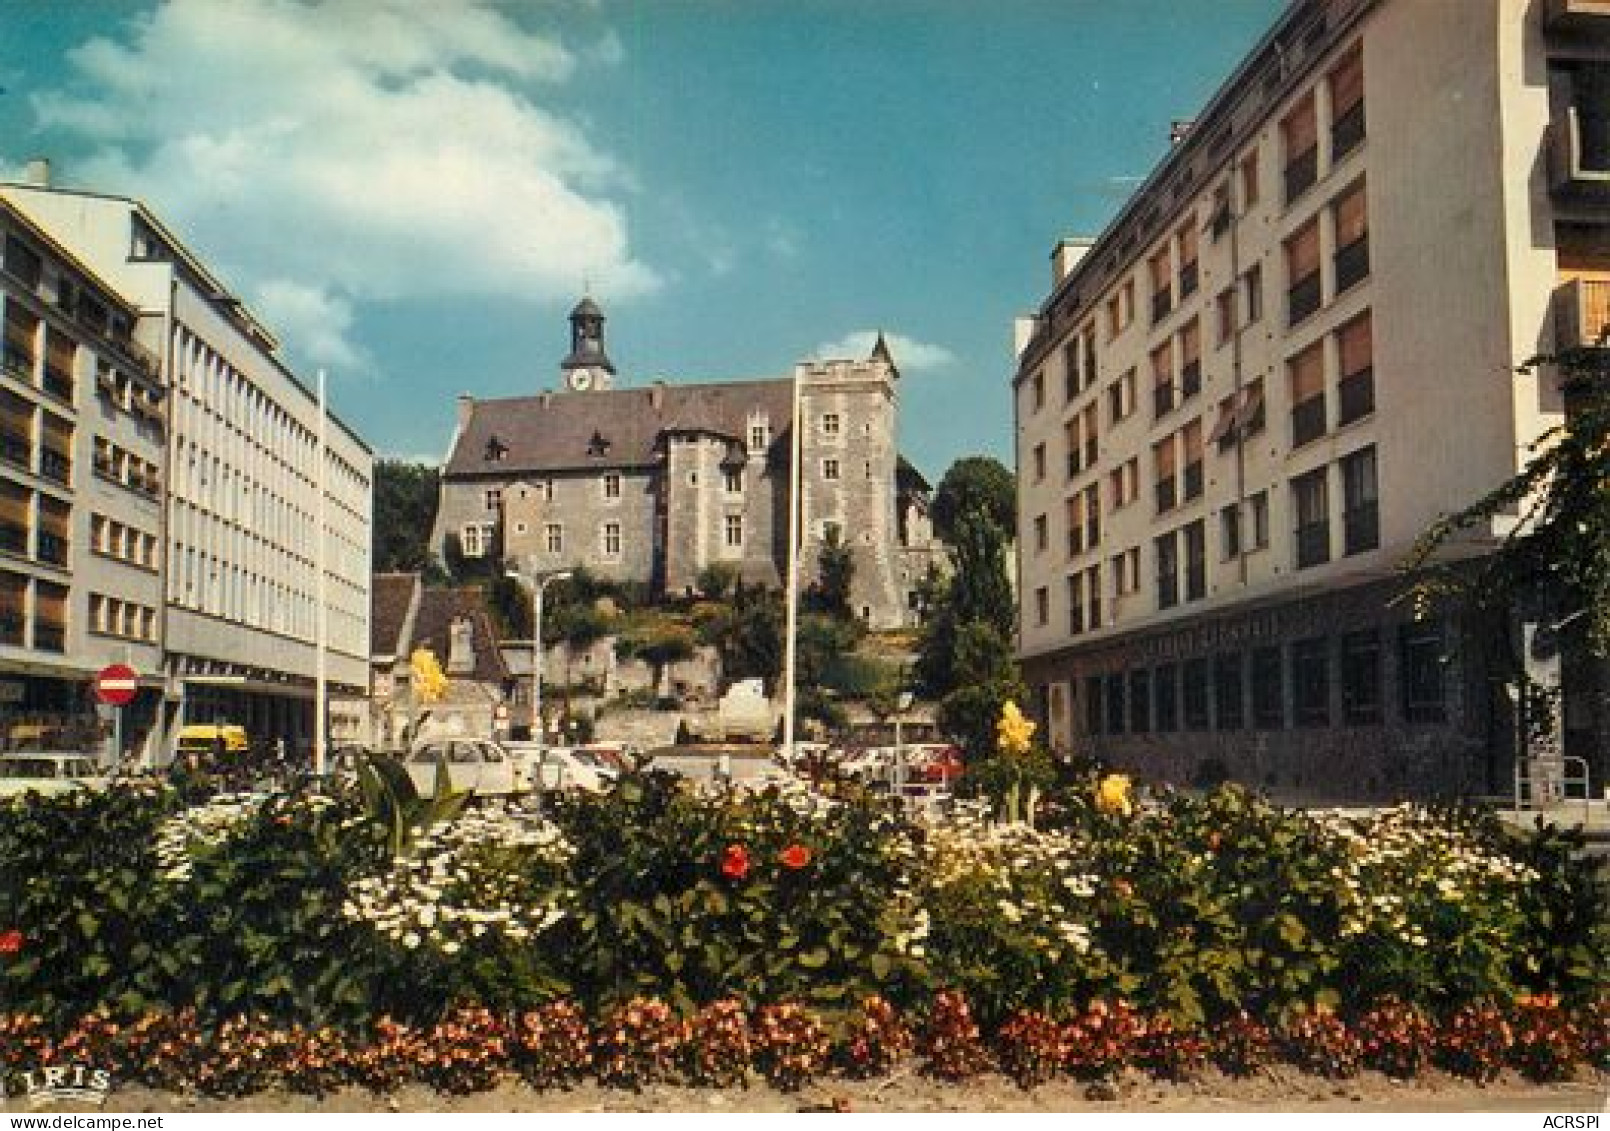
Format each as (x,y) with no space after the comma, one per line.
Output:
(587,368)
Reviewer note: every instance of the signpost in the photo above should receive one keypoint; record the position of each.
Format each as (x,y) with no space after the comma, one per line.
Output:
(116,685)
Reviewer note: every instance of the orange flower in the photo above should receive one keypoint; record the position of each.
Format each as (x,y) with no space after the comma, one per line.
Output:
(10,942)
(795,856)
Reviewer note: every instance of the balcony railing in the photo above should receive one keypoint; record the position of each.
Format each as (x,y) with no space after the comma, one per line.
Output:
(1582,314)
(15,447)
(1092,451)
(1303,299)
(52,548)
(1346,132)
(56,465)
(1162,303)
(1196,581)
(1352,263)
(1301,172)
(1188,280)
(58,382)
(1168,590)
(14,538)
(1355,396)
(1307,421)
(1162,399)
(1579,157)
(1313,544)
(1166,497)
(1193,480)
(1190,379)
(18,361)
(49,637)
(1361,528)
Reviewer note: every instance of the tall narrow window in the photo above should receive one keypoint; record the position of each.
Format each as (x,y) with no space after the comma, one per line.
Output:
(1268,689)
(1076,604)
(1356,388)
(1140,701)
(1070,369)
(1190,359)
(1310,679)
(612,485)
(1191,440)
(733,480)
(1093,589)
(1307,373)
(735,530)
(1163,462)
(1346,104)
(1422,687)
(1168,571)
(830,467)
(1351,217)
(612,540)
(1091,439)
(1165,697)
(1195,675)
(1188,255)
(554,538)
(1224,310)
(1229,686)
(1361,678)
(1076,525)
(1312,506)
(1249,180)
(1162,284)
(1252,292)
(1039,465)
(1042,537)
(1361,519)
(1303,286)
(1042,605)
(1194,536)
(1299,136)
(1230,532)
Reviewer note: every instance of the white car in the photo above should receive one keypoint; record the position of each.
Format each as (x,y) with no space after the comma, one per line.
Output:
(478,764)
(554,768)
(49,772)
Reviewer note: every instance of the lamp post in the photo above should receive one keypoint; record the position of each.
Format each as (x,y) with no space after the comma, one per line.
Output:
(538,589)
(901,706)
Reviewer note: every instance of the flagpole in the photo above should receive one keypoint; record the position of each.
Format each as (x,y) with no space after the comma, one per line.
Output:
(321,543)
(796,491)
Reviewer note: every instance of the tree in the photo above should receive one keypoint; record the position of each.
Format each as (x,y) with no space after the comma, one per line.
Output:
(405,499)
(976,485)
(835,568)
(659,649)
(718,579)
(978,592)
(985,676)
(748,635)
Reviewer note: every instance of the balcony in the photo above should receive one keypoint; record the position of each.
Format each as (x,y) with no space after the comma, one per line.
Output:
(1576,15)
(1582,315)
(1352,263)
(1579,157)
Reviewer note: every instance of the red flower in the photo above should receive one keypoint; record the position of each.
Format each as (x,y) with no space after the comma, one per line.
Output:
(10,942)
(735,862)
(795,856)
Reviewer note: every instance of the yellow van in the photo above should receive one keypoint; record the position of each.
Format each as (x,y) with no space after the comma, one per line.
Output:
(206,741)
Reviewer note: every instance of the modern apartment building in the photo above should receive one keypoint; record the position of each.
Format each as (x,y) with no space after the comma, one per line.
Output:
(83,428)
(1291,351)
(653,485)
(233,490)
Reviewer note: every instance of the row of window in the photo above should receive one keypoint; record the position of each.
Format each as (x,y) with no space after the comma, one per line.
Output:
(1322,681)
(478,539)
(119,465)
(33,613)
(34,524)
(112,616)
(125,543)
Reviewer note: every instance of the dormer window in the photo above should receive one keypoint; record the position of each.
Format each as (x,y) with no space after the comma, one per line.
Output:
(496,449)
(759,432)
(598,446)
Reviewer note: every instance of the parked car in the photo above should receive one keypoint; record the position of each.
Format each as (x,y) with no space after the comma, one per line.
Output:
(479,764)
(554,768)
(23,771)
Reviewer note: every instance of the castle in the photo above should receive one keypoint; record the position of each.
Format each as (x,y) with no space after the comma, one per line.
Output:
(655,484)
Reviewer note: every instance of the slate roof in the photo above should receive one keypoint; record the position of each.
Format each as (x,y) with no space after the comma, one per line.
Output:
(438,608)
(390,598)
(555,432)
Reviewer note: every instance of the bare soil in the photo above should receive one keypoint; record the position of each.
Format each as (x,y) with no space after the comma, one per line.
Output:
(1277,1089)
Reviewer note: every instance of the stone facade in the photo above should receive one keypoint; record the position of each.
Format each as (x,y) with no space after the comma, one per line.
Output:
(655,485)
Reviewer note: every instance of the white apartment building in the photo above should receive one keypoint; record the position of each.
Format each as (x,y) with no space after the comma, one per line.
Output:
(242,596)
(1292,350)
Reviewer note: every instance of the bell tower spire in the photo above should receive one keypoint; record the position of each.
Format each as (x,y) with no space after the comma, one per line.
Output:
(587,366)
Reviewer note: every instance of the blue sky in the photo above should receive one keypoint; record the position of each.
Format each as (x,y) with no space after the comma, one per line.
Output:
(413,193)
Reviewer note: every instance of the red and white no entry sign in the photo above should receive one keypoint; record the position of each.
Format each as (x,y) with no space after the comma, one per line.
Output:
(116,684)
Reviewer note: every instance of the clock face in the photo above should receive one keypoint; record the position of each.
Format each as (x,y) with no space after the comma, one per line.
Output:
(581,379)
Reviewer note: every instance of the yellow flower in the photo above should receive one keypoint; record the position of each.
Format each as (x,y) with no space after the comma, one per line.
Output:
(430,682)
(1014,732)
(1112,795)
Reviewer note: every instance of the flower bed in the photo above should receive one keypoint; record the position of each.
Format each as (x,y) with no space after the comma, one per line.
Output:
(248,941)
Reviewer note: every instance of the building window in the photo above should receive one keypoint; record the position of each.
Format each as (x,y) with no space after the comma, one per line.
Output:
(1126,572)
(1249,180)
(554,537)
(1304,291)
(494,498)
(1268,689)
(1163,379)
(1091,439)
(1190,359)
(733,480)
(612,539)
(1039,463)
(1089,355)
(1162,285)
(612,485)
(1168,570)
(470,541)
(1070,369)
(1071,434)
(1260,520)
(1092,497)
(1361,518)
(1230,532)
(1422,686)
(1192,478)
(1224,311)
(1124,483)
(1307,374)
(1037,392)
(1195,538)
(830,424)
(1076,524)
(1299,136)
(1093,588)
(1229,685)
(1310,677)
(1115,704)
(1352,227)
(1165,687)
(759,436)
(1121,396)
(1163,466)
(830,469)
(1356,388)
(1347,104)
(1076,604)
(832,532)
(735,530)
(1252,293)
(1042,536)
(1042,606)
(1361,678)
(1140,701)
(1311,502)
(1188,259)
(1195,678)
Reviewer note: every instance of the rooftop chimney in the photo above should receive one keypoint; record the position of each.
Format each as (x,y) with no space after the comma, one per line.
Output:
(1066,256)
(1179,130)
(656,395)
(37,172)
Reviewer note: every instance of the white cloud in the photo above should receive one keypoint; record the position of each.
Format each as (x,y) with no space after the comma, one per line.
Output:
(366,149)
(909,354)
(312,322)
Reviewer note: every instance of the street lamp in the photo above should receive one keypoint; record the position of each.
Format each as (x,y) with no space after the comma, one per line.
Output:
(902,704)
(538,588)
